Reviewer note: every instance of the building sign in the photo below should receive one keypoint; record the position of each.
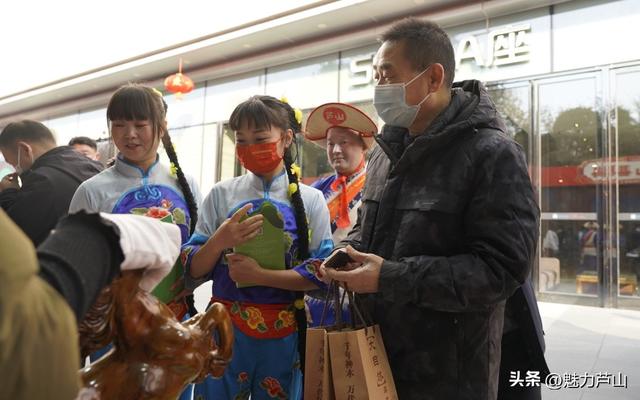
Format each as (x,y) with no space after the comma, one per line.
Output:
(504,46)
(361,71)
(507,45)
(510,49)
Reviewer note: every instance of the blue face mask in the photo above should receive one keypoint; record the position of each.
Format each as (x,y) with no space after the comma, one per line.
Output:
(391,104)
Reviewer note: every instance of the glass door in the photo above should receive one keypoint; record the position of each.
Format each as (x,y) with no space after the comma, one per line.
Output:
(624,122)
(571,147)
(228,164)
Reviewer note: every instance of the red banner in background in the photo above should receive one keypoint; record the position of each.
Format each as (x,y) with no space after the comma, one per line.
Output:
(625,169)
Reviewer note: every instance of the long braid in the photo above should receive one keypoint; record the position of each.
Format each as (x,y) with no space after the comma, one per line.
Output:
(186,191)
(182,181)
(303,233)
(296,197)
(173,158)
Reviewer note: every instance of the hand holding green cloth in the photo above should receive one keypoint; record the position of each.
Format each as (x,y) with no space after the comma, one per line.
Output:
(268,247)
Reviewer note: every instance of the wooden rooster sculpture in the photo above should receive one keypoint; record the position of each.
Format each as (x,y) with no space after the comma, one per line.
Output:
(154,356)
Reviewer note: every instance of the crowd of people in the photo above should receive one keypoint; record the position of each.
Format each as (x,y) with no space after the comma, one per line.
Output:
(435,210)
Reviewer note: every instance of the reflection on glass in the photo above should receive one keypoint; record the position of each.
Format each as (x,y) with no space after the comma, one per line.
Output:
(305,84)
(570,136)
(229,165)
(93,124)
(627,121)
(224,95)
(186,110)
(187,143)
(63,128)
(209,158)
(513,105)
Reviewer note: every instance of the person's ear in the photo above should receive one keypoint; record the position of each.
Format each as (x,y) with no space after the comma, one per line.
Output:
(288,138)
(24,146)
(435,77)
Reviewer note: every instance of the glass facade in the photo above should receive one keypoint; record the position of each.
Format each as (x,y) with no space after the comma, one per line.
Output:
(581,135)
(575,111)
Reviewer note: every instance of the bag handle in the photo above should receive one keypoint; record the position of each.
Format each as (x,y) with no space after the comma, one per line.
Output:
(356,311)
(333,293)
(359,318)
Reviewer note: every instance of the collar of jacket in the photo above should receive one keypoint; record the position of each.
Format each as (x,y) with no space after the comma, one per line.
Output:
(50,157)
(279,182)
(131,170)
(470,108)
(67,160)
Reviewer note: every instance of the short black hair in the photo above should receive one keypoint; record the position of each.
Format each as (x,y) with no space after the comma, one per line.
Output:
(84,140)
(425,43)
(27,131)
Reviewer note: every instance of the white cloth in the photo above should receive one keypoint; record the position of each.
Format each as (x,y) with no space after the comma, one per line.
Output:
(146,243)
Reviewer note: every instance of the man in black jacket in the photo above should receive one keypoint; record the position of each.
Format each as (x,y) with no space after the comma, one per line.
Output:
(448,227)
(50,176)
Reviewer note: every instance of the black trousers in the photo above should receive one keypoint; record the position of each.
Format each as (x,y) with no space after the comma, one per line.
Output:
(515,359)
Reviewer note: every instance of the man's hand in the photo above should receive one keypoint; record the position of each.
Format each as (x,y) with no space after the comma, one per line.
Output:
(10,181)
(360,279)
(243,269)
(232,232)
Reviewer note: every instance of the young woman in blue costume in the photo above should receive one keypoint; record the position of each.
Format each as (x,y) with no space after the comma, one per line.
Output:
(138,183)
(269,318)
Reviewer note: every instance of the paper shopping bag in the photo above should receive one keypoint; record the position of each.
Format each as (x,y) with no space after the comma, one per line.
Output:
(359,366)
(317,370)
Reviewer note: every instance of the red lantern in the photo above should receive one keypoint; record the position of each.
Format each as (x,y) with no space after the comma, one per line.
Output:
(178,83)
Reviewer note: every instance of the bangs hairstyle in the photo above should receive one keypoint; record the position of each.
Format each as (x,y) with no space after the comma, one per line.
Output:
(260,112)
(135,102)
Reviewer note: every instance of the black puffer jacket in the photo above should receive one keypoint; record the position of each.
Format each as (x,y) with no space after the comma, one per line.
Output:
(47,189)
(454,215)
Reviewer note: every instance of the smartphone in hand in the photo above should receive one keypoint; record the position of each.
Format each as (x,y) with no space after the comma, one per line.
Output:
(337,260)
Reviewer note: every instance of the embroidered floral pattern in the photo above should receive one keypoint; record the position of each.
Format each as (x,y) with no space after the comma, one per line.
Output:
(255,319)
(285,319)
(164,213)
(273,388)
(262,320)
(313,267)
(243,377)
(245,386)
(251,315)
(159,213)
